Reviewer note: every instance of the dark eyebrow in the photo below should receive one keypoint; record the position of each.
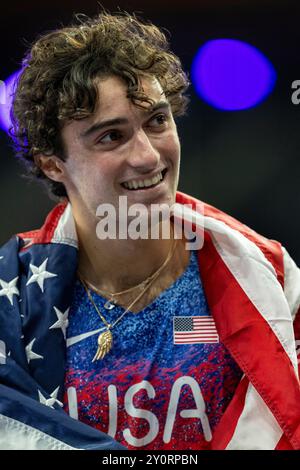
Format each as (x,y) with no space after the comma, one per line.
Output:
(160,105)
(100,125)
(118,121)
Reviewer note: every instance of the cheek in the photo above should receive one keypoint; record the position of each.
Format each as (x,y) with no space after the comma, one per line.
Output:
(99,179)
(173,149)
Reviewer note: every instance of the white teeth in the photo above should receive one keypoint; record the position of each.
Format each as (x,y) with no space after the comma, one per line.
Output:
(147,182)
(143,183)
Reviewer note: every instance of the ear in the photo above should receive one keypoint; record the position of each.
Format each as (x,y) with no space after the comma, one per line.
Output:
(51,166)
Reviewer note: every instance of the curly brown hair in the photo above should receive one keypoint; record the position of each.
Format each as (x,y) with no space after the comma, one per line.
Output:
(58,80)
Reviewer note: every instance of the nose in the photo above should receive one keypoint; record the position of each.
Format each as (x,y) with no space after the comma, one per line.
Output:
(143,155)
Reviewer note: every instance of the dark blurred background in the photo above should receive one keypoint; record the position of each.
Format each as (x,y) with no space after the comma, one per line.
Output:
(244,162)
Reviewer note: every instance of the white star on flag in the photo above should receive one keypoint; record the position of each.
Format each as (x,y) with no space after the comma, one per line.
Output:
(9,289)
(31,355)
(50,401)
(1,257)
(62,321)
(40,274)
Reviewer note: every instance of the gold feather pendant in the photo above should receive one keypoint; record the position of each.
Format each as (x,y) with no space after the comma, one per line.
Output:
(105,342)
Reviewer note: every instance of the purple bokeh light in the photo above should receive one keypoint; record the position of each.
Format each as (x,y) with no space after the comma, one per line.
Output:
(232,75)
(6,100)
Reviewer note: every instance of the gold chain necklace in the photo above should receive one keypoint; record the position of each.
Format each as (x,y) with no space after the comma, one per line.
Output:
(111,303)
(105,339)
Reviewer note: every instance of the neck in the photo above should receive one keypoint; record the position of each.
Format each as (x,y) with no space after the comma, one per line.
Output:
(114,265)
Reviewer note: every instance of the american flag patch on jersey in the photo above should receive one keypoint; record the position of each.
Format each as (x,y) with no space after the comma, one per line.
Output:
(193,330)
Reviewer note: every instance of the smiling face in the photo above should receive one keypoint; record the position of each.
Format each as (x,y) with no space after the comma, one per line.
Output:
(121,150)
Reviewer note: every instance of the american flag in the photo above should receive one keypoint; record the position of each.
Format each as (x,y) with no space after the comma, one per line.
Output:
(36,284)
(193,330)
(37,272)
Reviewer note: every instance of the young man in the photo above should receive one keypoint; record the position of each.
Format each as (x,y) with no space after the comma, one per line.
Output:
(135,341)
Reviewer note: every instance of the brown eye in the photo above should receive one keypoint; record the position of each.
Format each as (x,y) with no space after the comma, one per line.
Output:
(110,137)
(159,120)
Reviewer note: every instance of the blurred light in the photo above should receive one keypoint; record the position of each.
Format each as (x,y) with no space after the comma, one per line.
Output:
(2,93)
(6,91)
(232,75)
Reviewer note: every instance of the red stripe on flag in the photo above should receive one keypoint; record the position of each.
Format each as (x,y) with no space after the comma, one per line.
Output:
(271,249)
(225,429)
(46,232)
(251,342)
(284,444)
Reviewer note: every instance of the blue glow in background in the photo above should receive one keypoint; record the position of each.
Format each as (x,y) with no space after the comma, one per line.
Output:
(6,101)
(232,75)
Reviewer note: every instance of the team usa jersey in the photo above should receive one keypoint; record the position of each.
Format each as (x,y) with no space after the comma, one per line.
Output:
(167,380)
